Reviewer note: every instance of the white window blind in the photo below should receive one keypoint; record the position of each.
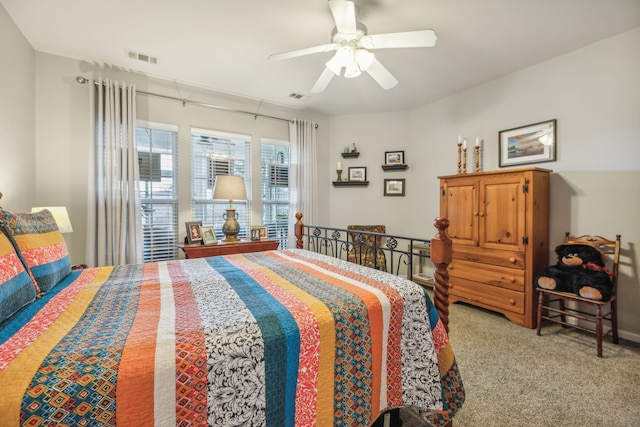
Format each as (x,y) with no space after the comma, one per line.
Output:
(219,153)
(158,162)
(274,186)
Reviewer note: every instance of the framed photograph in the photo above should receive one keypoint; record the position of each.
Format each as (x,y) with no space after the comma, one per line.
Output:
(264,233)
(194,235)
(208,236)
(534,143)
(394,157)
(394,187)
(255,233)
(358,173)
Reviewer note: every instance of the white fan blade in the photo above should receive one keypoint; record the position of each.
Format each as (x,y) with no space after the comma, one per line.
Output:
(421,38)
(381,75)
(344,14)
(302,52)
(323,81)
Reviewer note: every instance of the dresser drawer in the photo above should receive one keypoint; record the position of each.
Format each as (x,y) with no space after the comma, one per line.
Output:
(509,259)
(486,295)
(509,278)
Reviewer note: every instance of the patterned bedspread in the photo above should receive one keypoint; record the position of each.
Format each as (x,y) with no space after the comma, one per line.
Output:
(266,339)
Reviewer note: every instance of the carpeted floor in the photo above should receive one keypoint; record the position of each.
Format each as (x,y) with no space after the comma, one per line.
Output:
(513,377)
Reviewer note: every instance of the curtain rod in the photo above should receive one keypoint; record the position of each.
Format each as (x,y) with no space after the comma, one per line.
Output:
(83,80)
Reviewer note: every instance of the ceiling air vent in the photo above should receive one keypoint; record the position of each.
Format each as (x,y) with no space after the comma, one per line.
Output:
(142,57)
(298,96)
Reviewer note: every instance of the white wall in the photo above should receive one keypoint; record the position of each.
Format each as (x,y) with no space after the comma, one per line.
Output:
(17,124)
(593,92)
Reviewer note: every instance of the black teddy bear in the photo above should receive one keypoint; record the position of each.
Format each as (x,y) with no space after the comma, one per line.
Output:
(580,269)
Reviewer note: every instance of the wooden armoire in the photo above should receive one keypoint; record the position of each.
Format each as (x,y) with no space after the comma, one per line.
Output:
(500,233)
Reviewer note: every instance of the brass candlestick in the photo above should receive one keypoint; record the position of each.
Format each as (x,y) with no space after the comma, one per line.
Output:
(477,155)
(459,157)
(464,160)
(339,171)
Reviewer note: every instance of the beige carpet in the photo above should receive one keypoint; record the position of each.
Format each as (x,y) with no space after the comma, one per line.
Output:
(514,378)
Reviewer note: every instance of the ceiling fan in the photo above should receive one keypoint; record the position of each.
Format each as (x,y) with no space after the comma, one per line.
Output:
(352,45)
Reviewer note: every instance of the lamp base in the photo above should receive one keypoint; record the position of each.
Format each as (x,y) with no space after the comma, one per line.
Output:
(231,227)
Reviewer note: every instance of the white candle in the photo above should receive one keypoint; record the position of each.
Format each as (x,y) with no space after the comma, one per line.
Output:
(477,141)
(464,144)
(459,139)
(339,166)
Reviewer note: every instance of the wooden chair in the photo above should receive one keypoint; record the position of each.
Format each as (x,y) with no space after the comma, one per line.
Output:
(551,304)
(364,248)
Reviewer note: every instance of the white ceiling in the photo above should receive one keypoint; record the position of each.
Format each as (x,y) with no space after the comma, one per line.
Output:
(224,45)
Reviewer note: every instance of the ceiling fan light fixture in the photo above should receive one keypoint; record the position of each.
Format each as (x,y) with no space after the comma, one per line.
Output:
(352,44)
(364,58)
(335,64)
(352,70)
(345,55)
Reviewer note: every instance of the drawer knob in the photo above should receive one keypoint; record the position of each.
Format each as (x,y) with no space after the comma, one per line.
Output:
(450,267)
(512,260)
(512,301)
(512,279)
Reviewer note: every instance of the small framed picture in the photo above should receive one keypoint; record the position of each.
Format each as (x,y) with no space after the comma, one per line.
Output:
(358,173)
(208,236)
(528,144)
(394,157)
(264,233)
(394,187)
(255,233)
(194,235)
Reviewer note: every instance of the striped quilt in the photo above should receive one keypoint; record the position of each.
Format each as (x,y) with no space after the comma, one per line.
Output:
(279,338)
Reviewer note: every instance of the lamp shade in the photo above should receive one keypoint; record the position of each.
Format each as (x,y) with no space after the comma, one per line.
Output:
(229,187)
(61,216)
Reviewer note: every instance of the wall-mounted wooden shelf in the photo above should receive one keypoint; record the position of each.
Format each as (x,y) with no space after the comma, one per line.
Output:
(395,167)
(353,155)
(350,183)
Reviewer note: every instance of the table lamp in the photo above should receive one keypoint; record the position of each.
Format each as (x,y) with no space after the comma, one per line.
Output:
(230,187)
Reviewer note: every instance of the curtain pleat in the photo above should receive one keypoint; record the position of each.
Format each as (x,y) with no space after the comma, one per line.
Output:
(114,218)
(303,170)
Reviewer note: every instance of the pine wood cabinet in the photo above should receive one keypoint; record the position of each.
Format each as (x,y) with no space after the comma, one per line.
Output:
(500,233)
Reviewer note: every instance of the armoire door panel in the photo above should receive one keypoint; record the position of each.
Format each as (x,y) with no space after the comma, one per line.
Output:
(502,215)
(460,205)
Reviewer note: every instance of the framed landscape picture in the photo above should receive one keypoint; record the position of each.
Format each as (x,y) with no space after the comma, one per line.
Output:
(533,143)
(358,173)
(394,157)
(394,187)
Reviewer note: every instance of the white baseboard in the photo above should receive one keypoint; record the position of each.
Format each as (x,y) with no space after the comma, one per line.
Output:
(629,336)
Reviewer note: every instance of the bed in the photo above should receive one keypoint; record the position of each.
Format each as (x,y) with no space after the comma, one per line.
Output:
(289,337)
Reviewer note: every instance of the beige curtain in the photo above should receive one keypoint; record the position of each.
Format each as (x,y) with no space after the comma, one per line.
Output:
(114,229)
(302,174)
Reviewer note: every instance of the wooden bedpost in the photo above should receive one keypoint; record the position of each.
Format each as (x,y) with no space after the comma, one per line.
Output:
(299,230)
(441,255)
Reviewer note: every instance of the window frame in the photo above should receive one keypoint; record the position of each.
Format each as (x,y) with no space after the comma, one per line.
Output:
(167,248)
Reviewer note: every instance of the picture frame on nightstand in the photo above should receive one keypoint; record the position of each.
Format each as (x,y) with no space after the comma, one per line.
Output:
(194,235)
(255,233)
(208,236)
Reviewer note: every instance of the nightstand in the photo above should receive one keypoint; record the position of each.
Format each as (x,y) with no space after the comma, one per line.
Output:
(226,248)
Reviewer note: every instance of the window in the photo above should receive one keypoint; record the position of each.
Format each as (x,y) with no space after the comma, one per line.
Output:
(157,161)
(212,154)
(275,189)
